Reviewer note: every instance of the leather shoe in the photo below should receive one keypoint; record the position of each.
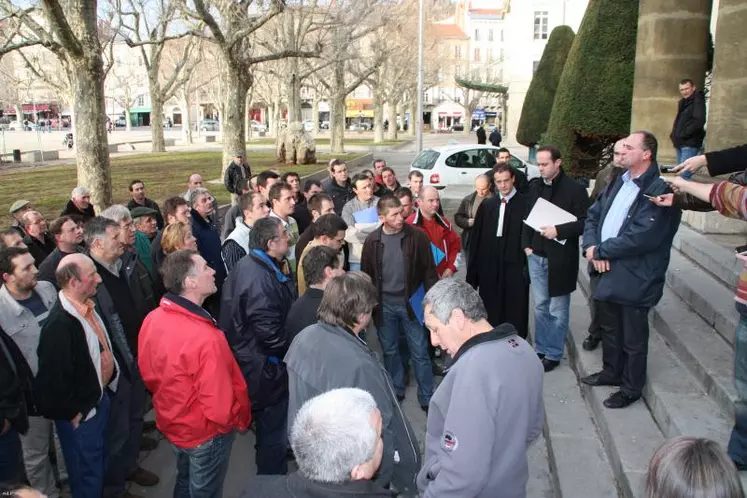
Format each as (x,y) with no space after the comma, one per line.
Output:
(619,400)
(149,425)
(438,370)
(598,379)
(549,365)
(591,342)
(143,477)
(148,443)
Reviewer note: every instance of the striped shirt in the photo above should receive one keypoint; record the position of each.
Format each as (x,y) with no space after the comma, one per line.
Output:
(730,199)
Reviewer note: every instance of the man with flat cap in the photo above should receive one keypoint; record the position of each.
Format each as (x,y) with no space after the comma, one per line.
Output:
(146,226)
(17,210)
(237,169)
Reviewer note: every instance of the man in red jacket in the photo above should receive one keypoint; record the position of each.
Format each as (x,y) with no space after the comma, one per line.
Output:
(199,394)
(446,241)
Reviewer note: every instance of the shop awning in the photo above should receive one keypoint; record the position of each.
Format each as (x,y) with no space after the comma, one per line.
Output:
(364,113)
(138,110)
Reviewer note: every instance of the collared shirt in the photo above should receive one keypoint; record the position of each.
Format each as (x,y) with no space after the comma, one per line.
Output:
(291,227)
(620,207)
(502,211)
(113,269)
(86,310)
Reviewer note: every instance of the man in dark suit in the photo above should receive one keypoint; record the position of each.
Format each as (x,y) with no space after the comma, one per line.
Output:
(496,263)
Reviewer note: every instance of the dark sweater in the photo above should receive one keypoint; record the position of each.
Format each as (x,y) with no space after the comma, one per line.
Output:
(124,304)
(80,216)
(48,268)
(303,312)
(40,249)
(66,383)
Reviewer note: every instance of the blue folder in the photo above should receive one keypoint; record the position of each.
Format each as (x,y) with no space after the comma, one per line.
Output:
(438,254)
(366,215)
(416,302)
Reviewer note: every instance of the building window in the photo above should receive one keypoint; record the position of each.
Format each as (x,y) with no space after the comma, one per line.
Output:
(534,66)
(140,102)
(501,35)
(490,35)
(540,25)
(477,35)
(477,55)
(490,55)
(457,52)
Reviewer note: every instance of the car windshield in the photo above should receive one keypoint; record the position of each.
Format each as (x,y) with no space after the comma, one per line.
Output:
(426,159)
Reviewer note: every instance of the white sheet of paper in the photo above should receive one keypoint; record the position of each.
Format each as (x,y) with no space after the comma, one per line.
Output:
(545,214)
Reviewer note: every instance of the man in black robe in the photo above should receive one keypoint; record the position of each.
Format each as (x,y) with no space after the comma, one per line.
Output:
(496,264)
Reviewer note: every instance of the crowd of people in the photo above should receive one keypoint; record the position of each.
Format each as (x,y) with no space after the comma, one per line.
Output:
(265,326)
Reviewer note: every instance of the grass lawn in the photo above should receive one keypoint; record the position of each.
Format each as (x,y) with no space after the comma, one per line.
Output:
(325,141)
(164,175)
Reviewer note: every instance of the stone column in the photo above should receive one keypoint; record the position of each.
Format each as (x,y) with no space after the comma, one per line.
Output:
(672,44)
(727,114)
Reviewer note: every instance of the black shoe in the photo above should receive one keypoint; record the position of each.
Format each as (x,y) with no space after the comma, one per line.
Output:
(424,408)
(619,400)
(591,342)
(549,365)
(541,356)
(148,443)
(400,397)
(740,466)
(598,379)
(149,425)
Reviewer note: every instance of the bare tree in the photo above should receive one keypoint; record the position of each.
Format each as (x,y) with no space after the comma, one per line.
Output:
(70,30)
(351,56)
(123,86)
(231,25)
(147,25)
(196,78)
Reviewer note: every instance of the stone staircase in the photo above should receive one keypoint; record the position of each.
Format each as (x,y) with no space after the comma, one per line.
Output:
(594,451)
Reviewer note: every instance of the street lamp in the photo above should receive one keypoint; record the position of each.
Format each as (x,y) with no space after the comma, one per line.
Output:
(418,121)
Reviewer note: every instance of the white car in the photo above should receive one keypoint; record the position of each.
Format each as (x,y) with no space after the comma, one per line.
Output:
(18,126)
(460,164)
(258,127)
(308,126)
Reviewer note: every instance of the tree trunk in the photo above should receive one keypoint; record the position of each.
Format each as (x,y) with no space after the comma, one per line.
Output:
(247,120)
(128,119)
(378,109)
(234,109)
(156,121)
(293,91)
(337,124)
(275,118)
(19,112)
(391,112)
(91,141)
(186,105)
(315,115)
(412,107)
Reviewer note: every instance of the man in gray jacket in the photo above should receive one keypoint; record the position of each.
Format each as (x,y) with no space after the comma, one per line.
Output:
(359,227)
(331,355)
(487,410)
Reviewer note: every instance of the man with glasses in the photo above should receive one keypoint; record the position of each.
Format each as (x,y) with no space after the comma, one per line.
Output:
(329,230)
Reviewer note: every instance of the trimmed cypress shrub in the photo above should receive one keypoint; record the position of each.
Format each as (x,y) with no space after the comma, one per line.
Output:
(594,97)
(535,113)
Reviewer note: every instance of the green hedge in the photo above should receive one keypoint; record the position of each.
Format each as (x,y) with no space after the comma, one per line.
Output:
(594,97)
(535,113)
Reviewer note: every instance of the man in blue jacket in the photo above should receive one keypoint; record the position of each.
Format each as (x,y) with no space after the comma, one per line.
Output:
(208,243)
(258,295)
(628,238)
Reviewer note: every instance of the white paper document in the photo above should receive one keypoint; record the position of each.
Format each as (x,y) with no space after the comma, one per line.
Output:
(546,214)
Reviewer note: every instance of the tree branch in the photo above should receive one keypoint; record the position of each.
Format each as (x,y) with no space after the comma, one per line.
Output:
(160,41)
(258,22)
(58,23)
(283,54)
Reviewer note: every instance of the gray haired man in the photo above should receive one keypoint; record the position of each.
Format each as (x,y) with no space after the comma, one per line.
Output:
(79,206)
(336,438)
(488,409)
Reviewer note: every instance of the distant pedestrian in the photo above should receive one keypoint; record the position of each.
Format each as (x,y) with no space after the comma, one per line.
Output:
(236,170)
(481,135)
(688,130)
(495,137)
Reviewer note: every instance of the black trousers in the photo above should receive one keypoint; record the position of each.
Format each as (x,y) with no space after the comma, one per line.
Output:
(624,345)
(594,329)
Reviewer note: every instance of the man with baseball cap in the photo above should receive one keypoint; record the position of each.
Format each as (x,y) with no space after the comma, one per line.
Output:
(17,210)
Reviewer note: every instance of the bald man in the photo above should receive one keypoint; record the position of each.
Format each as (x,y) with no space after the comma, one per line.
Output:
(465,215)
(77,369)
(609,173)
(438,229)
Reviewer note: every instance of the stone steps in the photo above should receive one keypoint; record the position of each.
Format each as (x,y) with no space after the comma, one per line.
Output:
(710,255)
(578,464)
(630,436)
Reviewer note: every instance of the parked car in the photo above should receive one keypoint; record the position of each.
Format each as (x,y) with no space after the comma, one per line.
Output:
(457,127)
(460,164)
(209,125)
(324,125)
(308,125)
(258,127)
(19,126)
(121,122)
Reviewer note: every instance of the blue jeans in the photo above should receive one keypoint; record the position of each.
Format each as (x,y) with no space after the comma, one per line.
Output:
(355,267)
(684,153)
(272,438)
(200,471)
(85,450)
(395,316)
(550,313)
(10,457)
(738,442)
